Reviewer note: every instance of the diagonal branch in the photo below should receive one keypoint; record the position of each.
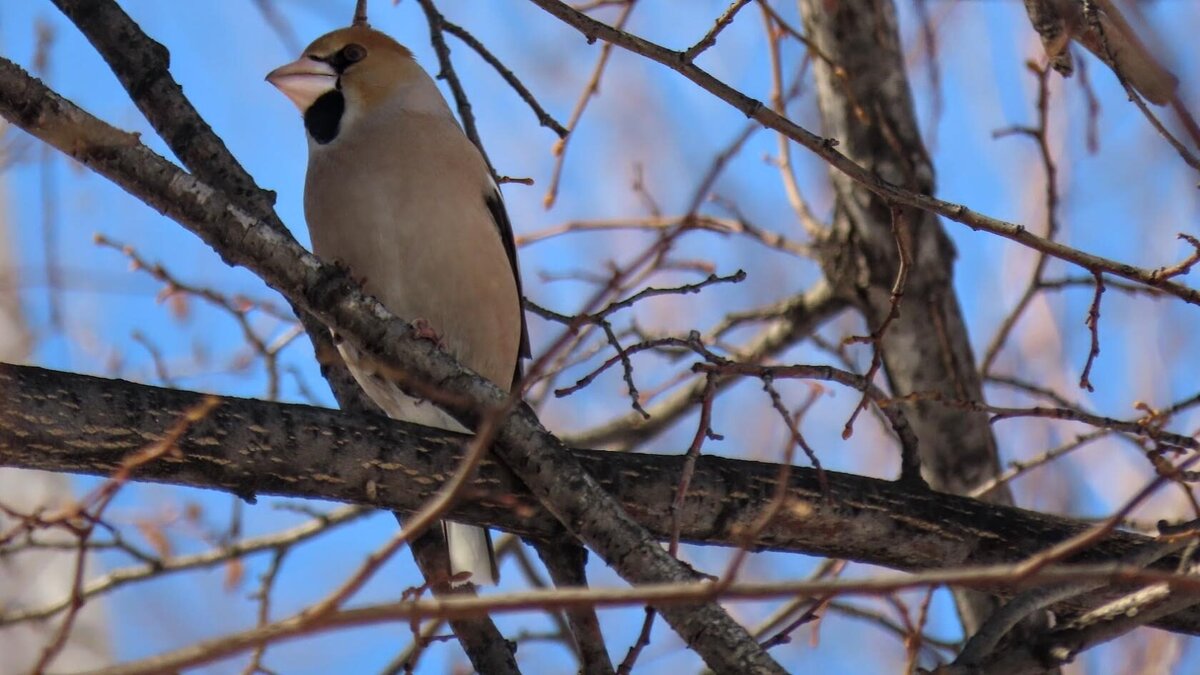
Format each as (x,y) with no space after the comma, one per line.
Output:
(554,476)
(825,149)
(142,66)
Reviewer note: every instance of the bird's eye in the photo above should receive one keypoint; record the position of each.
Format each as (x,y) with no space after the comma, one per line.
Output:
(353,53)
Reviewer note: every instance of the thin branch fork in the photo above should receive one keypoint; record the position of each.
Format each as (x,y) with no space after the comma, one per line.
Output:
(719,25)
(544,118)
(825,149)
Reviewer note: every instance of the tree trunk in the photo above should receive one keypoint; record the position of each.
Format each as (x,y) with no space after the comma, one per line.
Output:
(867,107)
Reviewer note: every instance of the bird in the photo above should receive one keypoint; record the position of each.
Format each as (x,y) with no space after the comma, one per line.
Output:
(1112,40)
(397,193)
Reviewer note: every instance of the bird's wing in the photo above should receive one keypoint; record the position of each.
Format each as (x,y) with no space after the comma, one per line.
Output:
(495,204)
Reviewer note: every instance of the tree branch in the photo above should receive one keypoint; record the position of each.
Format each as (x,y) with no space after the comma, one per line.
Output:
(876,248)
(825,149)
(142,66)
(556,477)
(75,423)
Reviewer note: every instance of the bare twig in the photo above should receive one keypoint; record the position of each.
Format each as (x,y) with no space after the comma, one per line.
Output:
(659,595)
(544,118)
(710,38)
(1093,324)
(590,90)
(825,149)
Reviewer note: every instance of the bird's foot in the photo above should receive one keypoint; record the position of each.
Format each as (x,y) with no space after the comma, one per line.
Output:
(425,331)
(344,267)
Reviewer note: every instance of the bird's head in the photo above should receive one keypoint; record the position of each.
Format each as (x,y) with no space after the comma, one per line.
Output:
(350,73)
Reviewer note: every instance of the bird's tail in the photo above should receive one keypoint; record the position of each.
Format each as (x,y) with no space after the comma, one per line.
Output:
(471,551)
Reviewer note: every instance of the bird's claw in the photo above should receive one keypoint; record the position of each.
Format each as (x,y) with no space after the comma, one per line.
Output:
(344,267)
(425,331)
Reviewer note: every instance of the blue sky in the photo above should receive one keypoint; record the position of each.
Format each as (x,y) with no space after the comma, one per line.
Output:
(1126,201)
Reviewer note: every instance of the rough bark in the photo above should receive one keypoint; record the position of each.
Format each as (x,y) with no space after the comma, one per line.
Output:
(867,107)
(78,424)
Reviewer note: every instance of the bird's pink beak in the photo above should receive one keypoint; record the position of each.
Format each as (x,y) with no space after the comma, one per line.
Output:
(303,80)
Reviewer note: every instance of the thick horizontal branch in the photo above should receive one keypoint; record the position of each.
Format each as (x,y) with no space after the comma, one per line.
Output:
(74,423)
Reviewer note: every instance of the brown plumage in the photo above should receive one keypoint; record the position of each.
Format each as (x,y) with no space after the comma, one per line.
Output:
(397,192)
(1060,21)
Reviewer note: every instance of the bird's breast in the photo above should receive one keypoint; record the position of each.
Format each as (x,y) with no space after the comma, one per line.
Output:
(406,213)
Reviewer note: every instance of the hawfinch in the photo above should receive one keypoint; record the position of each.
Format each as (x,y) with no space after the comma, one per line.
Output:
(1115,43)
(396,192)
